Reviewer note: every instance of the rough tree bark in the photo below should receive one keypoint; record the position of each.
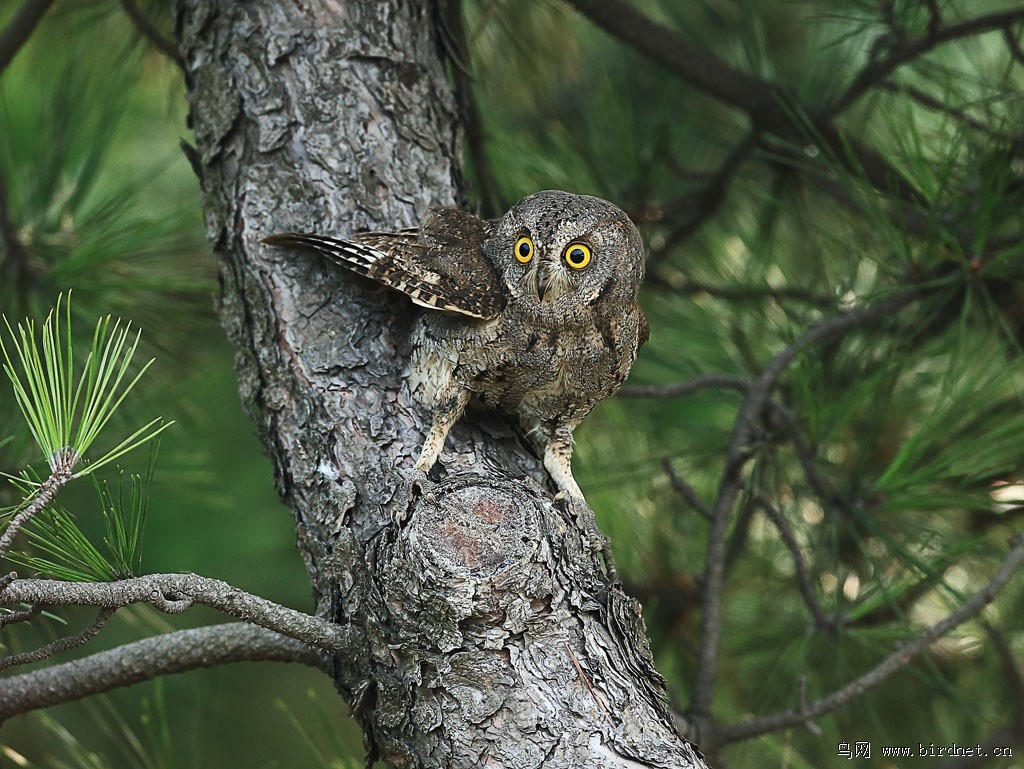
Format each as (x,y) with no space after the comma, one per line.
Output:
(487,632)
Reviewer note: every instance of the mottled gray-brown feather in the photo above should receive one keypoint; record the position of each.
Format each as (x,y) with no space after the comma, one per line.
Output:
(441,264)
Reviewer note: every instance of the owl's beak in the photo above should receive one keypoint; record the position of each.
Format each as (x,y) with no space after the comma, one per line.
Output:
(543,280)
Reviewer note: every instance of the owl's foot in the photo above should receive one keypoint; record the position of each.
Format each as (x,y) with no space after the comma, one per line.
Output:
(558,463)
(577,508)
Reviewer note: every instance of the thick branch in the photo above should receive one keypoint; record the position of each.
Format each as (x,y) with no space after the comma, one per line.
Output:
(894,662)
(700,68)
(173,594)
(480,609)
(174,652)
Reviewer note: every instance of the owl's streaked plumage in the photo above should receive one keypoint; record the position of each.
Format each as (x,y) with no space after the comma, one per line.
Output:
(535,314)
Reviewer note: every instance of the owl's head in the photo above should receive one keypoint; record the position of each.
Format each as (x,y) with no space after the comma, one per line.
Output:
(559,252)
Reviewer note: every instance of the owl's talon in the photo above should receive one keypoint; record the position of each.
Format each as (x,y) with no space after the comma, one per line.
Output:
(419,482)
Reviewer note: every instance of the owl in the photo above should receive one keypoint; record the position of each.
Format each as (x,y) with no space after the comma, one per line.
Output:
(533,314)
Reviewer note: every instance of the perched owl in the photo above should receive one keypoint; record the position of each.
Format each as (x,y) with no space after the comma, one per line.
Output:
(534,314)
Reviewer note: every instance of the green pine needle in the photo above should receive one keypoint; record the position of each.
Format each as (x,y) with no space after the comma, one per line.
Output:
(63,415)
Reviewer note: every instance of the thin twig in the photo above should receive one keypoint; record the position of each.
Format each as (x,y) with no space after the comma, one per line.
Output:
(822,621)
(731,481)
(879,70)
(175,652)
(61,644)
(895,661)
(696,207)
(63,467)
(1013,44)
(689,387)
(937,105)
(25,615)
(151,33)
(685,490)
(20,29)
(770,108)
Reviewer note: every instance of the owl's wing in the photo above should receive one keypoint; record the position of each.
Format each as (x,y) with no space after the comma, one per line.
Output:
(441,264)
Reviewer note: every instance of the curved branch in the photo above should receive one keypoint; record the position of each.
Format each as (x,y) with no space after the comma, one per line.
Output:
(874,73)
(769,107)
(822,620)
(173,594)
(61,644)
(732,477)
(898,659)
(175,652)
(685,490)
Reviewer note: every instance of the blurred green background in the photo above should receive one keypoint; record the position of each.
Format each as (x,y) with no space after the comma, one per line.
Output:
(914,425)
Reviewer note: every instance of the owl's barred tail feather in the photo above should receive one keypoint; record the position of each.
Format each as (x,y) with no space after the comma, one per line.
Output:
(421,286)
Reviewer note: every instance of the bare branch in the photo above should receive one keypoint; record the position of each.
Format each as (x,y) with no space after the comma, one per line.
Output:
(688,387)
(151,33)
(26,615)
(937,105)
(701,204)
(770,108)
(702,69)
(175,652)
(1013,44)
(20,29)
(685,490)
(822,621)
(61,644)
(44,495)
(894,662)
(878,70)
(173,594)
(731,480)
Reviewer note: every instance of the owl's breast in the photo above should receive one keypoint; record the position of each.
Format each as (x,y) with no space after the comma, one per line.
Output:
(542,373)
(556,373)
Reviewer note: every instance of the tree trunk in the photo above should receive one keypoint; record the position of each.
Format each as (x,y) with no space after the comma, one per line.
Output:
(490,633)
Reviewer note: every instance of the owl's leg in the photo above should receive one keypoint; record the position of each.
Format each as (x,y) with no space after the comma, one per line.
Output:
(558,461)
(447,410)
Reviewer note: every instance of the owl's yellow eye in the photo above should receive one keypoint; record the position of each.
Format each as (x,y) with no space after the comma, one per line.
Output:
(577,255)
(524,249)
